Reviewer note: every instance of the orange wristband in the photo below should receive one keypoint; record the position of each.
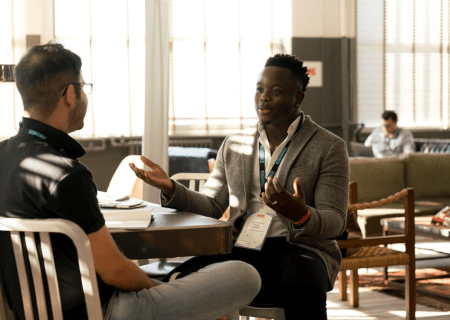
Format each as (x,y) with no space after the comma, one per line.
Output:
(303,219)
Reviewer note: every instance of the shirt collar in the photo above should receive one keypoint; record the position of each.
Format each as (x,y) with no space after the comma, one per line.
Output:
(291,130)
(58,139)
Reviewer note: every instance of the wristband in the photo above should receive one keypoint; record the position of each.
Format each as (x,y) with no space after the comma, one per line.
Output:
(303,219)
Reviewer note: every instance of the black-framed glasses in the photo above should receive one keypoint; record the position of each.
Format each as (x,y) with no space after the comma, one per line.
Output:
(87,87)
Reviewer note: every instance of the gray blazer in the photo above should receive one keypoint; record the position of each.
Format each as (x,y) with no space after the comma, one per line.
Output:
(315,155)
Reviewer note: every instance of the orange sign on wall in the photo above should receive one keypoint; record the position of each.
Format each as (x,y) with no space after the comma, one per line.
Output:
(314,72)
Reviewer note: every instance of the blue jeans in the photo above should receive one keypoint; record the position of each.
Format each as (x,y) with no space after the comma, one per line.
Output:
(212,292)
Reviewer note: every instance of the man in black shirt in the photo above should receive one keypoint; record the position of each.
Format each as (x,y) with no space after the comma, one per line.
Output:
(41,177)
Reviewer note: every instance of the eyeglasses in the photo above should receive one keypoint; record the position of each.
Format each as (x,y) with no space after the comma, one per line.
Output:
(87,87)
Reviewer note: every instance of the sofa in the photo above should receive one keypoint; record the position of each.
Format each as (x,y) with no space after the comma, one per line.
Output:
(429,174)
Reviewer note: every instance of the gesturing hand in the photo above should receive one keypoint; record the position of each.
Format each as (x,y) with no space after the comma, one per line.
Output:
(155,177)
(291,206)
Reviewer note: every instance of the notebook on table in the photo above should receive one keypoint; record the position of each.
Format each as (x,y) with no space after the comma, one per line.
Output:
(123,212)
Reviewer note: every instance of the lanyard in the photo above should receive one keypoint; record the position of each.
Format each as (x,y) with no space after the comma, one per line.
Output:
(41,136)
(262,167)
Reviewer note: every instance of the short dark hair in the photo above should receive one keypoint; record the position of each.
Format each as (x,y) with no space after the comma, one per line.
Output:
(292,63)
(389,114)
(41,75)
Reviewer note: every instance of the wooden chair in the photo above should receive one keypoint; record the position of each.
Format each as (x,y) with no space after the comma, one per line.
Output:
(31,227)
(374,252)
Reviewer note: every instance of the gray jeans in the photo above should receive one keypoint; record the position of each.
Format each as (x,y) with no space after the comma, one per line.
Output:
(212,292)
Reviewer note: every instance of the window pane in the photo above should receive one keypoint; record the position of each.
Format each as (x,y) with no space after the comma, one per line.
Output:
(189,80)
(399,86)
(137,86)
(188,19)
(113,55)
(428,97)
(428,21)
(399,21)
(256,19)
(111,95)
(222,19)
(6,55)
(112,24)
(136,19)
(222,80)
(254,56)
(369,61)
(68,22)
(7,119)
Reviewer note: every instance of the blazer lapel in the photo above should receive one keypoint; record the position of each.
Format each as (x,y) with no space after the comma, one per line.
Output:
(299,141)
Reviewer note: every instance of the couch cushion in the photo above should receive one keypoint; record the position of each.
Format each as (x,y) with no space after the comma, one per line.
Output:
(429,174)
(377,178)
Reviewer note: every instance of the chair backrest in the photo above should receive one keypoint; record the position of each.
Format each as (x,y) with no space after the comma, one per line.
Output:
(124,180)
(44,227)
(408,194)
(193,178)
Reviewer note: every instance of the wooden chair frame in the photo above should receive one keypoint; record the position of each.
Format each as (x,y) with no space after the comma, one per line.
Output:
(374,253)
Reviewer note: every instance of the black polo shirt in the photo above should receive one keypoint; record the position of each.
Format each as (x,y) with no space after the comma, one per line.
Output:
(41,177)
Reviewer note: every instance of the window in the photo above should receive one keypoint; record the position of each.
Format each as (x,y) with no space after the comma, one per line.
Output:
(217,51)
(12,47)
(109,36)
(402,61)
(216,54)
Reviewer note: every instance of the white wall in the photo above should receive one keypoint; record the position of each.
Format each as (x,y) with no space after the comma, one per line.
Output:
(323,18)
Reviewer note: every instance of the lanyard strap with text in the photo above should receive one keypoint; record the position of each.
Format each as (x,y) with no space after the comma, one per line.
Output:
(40,136)
(262,167)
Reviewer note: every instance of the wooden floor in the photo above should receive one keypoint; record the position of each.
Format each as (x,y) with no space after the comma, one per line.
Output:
(376,305)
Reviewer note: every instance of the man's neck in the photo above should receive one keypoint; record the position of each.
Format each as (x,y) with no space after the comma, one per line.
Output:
(56,120)
(276,134)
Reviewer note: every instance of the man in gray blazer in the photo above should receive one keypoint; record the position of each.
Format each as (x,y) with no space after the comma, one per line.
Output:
(286,184)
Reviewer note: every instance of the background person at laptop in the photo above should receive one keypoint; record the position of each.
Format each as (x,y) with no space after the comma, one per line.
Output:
(390,140)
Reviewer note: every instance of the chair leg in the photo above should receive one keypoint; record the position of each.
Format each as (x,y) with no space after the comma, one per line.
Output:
(343,285)
(354,286)
(385,269)
(410,290)
(385,275)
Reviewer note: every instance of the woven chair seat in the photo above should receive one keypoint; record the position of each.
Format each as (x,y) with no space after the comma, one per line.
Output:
(372,257)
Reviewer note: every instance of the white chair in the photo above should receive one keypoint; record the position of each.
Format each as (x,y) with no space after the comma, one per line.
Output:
(196,180)
(267,313)
(162,267)
(124,180)
(44,227)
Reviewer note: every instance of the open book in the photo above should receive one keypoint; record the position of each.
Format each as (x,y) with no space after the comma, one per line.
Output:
(107,200)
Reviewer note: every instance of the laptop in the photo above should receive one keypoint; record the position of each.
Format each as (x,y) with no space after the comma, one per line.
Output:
(360,150)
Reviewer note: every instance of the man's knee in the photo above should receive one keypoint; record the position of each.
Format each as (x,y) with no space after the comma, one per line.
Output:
(240,275)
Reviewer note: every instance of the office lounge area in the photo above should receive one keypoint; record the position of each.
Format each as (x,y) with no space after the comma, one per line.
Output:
(344,92)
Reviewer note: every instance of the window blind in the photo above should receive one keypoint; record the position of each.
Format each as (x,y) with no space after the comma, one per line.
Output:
(402,61)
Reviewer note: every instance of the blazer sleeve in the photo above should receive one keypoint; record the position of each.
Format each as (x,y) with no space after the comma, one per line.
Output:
(329,214)
(214,199)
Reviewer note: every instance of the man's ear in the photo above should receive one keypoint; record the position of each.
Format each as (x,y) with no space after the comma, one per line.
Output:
(70,96)
(299,97)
